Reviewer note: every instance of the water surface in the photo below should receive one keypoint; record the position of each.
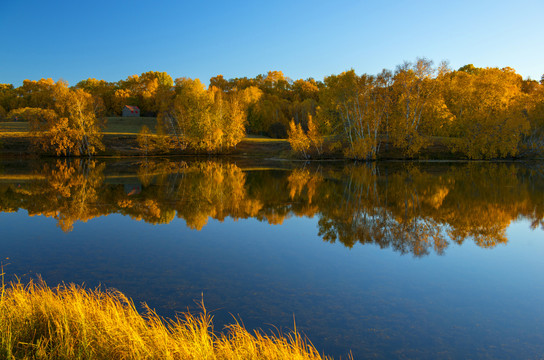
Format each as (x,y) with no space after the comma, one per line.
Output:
(391,260)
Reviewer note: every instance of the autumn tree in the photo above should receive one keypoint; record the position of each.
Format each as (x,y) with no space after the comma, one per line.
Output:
(276,100)
(70,127)
(85,129)
(144,91)
(188,119)
(229,113)
(299,141)
(8,97)
(304,97)
(37,94)
(315,136)
(221,83)
(488,119)
(121,97)
(532,101)
(103,93)
(355,110)
(208,120)
(417,105)
(40,121)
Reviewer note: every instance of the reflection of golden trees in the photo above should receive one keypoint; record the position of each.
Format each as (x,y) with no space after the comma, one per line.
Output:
(214,190)
(415,211)
(300,179)
(411,209)
(70,191)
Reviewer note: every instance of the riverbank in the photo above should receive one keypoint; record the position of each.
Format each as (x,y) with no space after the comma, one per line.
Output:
(260,147)
(70,322)
(120,140)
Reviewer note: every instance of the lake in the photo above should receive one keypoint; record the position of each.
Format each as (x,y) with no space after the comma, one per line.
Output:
(390,260)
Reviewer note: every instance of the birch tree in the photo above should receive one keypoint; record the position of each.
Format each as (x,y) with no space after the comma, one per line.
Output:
(413,90)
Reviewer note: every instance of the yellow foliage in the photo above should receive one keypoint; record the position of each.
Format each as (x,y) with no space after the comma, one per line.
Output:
(299,141)
(314,135)
(488,118)
(204,120)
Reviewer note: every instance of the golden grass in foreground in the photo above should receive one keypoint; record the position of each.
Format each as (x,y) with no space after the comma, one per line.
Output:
(69,322)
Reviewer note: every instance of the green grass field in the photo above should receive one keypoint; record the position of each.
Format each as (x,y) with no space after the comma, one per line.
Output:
(123,126)
(114,126)
(14,127)
(128,125)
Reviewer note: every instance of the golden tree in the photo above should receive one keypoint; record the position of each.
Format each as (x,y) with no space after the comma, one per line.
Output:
(416,99)
(299,141)
(487,108)
(315,136)
(350,105)
(203,120)
(71,129)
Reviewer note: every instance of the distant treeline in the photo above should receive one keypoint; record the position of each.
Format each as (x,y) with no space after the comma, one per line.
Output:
(476,112)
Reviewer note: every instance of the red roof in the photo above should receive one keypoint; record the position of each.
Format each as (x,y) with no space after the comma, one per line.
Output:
(132,107)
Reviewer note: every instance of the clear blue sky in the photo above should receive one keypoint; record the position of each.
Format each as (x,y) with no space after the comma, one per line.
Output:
(111,40)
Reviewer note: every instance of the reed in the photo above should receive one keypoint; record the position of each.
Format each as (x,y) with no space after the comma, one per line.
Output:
(70,322)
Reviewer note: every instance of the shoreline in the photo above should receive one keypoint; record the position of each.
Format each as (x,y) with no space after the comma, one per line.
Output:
(249,148)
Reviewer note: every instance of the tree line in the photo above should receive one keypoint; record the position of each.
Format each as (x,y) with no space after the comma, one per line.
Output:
(475,112)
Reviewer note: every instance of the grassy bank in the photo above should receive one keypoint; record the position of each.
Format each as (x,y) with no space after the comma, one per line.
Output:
(114,126)
(120,140)
(69,322)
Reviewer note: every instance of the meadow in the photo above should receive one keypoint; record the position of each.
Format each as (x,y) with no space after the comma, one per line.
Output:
(114,126)
(120,139)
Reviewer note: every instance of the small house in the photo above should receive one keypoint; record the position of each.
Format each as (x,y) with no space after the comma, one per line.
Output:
(130,110)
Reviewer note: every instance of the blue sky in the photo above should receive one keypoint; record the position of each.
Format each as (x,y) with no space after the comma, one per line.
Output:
(111,40)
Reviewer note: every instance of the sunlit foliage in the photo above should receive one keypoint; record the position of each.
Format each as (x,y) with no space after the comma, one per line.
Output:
(298,140)
(351,107)
(487,112)
(477,113)
(416,101)
(70,322)
(68,126)
(201,119)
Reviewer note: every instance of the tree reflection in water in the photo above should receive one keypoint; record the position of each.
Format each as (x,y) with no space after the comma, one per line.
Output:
(411,208)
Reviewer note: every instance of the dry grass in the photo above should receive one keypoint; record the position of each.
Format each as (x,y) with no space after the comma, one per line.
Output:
(69,322)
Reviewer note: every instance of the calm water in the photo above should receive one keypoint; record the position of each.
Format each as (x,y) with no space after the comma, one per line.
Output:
(391,260)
